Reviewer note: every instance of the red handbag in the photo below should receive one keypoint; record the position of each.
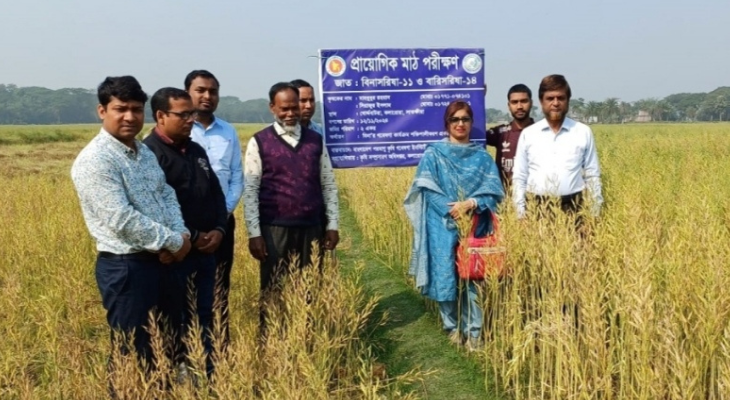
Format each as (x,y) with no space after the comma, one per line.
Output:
(477,258)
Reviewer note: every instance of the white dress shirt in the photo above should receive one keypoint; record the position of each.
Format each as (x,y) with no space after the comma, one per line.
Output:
(556,164)
(252,176)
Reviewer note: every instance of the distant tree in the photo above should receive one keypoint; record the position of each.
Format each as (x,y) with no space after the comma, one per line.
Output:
(610,110)
(37,105)
(721,107)
(686,104)
(494,115)
(626,111)
(593,111)
(577,108)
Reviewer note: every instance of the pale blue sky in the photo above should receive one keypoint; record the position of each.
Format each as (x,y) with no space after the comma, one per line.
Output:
(616,48)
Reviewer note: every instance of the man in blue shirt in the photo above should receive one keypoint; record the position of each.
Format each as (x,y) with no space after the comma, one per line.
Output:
(220,141)
(307,106)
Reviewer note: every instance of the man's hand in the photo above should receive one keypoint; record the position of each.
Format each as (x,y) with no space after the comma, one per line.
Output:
(184,250)
(201,241)
(459,208)
(166,257)
(331,238)
(257,247)
(213,239)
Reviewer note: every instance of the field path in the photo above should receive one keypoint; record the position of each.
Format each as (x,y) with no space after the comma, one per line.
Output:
(412,337)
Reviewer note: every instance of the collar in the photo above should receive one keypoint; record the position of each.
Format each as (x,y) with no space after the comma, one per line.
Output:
(281,132)
(166,139)
(212,124)
(513,125)
(117,145)
(567,124)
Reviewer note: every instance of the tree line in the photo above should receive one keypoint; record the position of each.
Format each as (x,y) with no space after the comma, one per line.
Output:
(38,105)
(680,107)
(41,106)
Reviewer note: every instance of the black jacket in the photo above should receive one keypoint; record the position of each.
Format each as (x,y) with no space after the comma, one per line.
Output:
(198,191)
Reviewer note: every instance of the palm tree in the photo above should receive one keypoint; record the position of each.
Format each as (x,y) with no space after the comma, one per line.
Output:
(592,110)
(626,111)
(577,108)
(610,109)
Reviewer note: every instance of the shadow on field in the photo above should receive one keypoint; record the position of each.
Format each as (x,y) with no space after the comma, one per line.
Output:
(399,307)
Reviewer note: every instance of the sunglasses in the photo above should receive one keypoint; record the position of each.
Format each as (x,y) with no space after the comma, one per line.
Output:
(456,120)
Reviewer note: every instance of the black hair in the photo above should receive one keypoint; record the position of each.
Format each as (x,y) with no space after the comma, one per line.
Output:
(520,88)
(161,99)
(300,83)
(199,73)
(280,87)
(125,88)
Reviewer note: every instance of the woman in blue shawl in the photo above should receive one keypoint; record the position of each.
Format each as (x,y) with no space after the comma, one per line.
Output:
(454,177)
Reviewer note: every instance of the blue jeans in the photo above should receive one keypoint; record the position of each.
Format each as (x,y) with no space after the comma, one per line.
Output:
(467,301)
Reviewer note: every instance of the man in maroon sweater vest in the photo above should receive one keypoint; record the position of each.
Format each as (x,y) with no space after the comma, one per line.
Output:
(290,194)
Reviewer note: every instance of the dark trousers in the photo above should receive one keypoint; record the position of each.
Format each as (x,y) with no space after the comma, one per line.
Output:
(281,243)
(133,285)
(224,260)
(203,266)
(570,204)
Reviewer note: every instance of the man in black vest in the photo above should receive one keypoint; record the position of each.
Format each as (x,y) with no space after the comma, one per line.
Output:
(201,199)
(290,194)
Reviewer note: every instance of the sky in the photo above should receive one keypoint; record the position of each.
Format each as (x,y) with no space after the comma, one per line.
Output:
(630,49)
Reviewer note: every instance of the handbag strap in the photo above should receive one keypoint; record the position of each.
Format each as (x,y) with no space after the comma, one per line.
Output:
(475,220)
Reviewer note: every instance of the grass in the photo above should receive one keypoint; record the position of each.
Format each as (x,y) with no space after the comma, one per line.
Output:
(410,338)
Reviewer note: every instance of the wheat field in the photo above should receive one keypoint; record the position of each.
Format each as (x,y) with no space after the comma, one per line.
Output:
(54,339)
(637,309)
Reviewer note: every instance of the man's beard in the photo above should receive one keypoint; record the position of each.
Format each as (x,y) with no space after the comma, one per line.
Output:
(287,128)
(525,116)
(556,115)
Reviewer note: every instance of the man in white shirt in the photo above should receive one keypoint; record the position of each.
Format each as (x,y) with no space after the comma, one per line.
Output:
(556,157)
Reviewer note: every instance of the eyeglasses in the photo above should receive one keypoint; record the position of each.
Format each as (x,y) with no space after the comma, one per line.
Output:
(456,120)
(186,115)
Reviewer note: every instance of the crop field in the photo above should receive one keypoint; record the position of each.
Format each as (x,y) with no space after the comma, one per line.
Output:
(636,308)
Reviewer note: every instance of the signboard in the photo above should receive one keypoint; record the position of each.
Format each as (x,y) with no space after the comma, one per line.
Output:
(381,107)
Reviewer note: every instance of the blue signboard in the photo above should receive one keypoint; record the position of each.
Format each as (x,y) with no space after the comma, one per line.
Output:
(381,107)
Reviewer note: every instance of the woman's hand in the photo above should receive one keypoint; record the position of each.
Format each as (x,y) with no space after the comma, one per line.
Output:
(459,208)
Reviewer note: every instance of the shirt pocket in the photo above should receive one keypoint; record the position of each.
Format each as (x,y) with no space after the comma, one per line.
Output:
(219,151)
(573,156)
